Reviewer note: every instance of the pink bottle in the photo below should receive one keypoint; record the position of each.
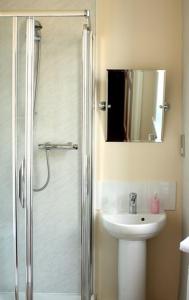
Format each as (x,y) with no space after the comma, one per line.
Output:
(155,204)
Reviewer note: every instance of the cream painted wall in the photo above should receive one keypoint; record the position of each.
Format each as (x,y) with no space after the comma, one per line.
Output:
(185,162)
(141,34)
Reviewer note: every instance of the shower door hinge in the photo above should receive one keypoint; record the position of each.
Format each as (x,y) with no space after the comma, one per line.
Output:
(182,145)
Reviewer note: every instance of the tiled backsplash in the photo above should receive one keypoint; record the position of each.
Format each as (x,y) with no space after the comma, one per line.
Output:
(113,196)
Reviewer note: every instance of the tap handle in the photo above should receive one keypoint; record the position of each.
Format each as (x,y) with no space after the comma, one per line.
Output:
(133,197)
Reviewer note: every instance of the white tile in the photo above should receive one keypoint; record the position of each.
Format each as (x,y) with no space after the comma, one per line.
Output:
(113,196)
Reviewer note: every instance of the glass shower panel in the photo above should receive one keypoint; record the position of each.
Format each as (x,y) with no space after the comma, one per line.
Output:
(21,97)
(7,282)
(57,120)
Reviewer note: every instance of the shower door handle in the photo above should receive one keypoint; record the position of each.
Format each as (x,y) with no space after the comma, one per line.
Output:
(21,184)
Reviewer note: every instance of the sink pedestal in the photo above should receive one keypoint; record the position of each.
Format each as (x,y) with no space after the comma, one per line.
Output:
(132,231)
(132,270)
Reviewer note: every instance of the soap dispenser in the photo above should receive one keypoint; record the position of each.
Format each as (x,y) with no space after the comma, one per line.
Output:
(155,204)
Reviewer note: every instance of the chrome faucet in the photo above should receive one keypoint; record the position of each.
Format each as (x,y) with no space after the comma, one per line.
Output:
(132,203)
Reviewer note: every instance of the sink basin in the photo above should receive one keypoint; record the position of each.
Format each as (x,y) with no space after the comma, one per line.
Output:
(134,226)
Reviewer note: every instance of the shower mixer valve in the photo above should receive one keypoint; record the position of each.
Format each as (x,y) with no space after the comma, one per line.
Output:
(47,147)
(66,146)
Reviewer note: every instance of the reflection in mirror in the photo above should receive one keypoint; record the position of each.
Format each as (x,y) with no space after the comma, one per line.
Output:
(136,100)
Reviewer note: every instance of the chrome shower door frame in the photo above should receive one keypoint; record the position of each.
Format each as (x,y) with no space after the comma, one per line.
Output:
(14,151)
(29,154)
(86,186)
(86,168)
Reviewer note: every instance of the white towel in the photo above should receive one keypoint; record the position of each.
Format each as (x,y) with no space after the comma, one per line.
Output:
(184,245)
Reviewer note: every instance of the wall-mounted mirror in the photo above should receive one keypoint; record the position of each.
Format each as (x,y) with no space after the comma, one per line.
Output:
(135,105)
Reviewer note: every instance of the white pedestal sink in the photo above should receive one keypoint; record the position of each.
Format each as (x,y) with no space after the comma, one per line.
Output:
(132,230)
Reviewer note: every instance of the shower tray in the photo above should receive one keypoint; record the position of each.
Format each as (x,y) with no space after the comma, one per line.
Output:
(42,296)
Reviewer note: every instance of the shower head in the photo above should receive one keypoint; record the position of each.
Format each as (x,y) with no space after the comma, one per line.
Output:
(38,28)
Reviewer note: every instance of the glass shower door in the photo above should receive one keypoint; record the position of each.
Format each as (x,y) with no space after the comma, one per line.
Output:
(12,133)
(62,210)
(22,132)
(12,158)
(57,120)
(20,152)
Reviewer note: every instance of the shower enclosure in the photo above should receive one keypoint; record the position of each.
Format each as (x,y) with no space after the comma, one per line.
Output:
(46,155)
